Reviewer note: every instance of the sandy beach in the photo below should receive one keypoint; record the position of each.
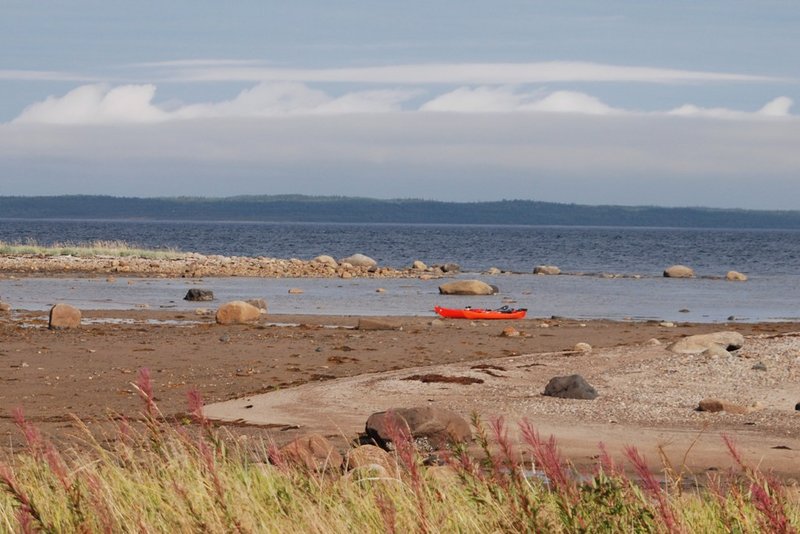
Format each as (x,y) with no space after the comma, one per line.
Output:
(322,374)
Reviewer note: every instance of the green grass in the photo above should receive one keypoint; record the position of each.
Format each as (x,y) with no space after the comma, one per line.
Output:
(96,248)
(170,477)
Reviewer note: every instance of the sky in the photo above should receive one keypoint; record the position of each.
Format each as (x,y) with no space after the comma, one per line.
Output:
(679,103)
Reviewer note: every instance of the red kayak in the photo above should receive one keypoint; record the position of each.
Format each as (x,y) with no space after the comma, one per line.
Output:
(478,313)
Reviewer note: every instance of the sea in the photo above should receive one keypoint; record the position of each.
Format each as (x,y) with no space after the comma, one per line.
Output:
(610,272)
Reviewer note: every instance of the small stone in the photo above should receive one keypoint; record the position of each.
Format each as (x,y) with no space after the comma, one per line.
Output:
(380,290)
(653,342)
(510,331)
(683,310)
(582,347)
(759,367)
(295,291)
(667,324)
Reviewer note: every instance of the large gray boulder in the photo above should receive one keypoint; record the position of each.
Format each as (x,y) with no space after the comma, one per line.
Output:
(360,260)
(431,428)
(237,312)
(570,387)
(467,287)
(678,271)
(64,316)
(698,343)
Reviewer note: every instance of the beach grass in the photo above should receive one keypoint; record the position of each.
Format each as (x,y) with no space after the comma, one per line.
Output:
(169,476)
(94,248)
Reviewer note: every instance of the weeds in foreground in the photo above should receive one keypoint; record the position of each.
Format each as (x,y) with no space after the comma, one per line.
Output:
(165,477)
(96,248)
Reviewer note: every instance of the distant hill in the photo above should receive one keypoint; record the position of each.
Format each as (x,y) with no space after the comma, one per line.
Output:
(298,208)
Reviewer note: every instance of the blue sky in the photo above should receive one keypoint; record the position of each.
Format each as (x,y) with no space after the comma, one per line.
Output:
(657,103)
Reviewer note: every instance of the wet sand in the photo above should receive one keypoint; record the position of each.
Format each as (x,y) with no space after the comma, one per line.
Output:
(88,373)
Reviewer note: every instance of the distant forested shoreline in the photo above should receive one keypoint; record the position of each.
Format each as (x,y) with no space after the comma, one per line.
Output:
(299,208)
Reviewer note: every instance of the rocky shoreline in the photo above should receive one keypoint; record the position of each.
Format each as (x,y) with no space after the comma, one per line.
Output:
(194,265)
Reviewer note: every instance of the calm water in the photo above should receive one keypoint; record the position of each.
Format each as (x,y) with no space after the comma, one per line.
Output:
(769,257)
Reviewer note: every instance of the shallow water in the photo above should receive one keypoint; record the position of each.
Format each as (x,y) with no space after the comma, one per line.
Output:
(590,297)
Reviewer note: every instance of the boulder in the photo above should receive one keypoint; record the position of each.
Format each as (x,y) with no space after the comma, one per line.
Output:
(237,312)
(326,260)
(366,456)
(570,387)
(360,260)
(5,308)
(678,271)
(546,269)
(64,316)
(466,287)
(719,405)
(698,343)
(419,266)
(493,271)
(735,276)
(365,323)
(312,452)
(582,347)
(715,351)
(199,295)
(261,304)
(431,428)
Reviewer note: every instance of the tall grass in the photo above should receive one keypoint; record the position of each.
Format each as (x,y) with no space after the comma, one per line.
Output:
(161,476)
(95,248)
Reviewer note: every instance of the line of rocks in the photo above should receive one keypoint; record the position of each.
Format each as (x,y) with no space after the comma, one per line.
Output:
(193,265)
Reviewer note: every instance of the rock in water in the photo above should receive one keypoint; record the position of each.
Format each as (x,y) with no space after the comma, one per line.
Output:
(432,428)
(64,316)
(678,271)
(418,266)
(736,276)
(570,387)
(199,295)
(698,343)
(360,260)
(237,312)
(466,287)
(546,269)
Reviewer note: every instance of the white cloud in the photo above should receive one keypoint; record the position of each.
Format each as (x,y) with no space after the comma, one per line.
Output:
(43,76)
(463,73)
(778,107)
(507,100)
(96,104)
(101,104)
